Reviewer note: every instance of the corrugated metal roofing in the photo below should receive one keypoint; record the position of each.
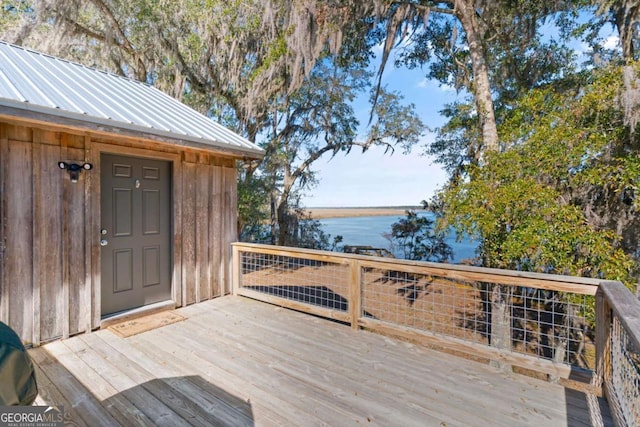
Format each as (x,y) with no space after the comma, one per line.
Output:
(41,83)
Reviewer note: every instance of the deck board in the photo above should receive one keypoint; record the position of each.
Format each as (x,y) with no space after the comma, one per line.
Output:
(239,362)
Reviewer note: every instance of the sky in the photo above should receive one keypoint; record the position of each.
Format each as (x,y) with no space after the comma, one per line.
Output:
(378,179)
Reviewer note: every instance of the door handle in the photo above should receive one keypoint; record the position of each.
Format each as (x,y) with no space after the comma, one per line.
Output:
(104,242)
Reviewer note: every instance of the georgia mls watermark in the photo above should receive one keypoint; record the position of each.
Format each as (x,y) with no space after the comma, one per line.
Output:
(31,416)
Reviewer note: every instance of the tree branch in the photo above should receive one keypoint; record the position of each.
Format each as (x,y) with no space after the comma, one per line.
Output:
(123,42)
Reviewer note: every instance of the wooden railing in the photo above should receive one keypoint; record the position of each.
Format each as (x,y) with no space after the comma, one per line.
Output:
(536,322)
(618,345)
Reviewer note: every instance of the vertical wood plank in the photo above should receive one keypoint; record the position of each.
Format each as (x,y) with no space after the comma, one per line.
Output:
(215,232)
(233,217)
(4,285)
(47,254)
(18,233)
(37,177)
(91,235)
(177,286)
(210,226)
(228,234)
(203,269)
(95,219)
(188,233)
(63,295)
(75,253)
(233,174)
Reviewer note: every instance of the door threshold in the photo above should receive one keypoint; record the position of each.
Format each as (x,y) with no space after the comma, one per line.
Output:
(135,313)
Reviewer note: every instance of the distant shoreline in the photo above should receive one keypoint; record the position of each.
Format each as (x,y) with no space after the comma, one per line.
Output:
(322,213)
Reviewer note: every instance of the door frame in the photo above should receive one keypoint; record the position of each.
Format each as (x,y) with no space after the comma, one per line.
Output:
(93,233)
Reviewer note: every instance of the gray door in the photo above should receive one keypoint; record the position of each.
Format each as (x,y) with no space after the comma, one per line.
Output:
(135,233)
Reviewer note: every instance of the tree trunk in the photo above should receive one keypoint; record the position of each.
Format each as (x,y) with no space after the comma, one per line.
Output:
(501,295)
(466,13)
(559,354)
(284,225)
(625,14)
(274,219)
(500,323)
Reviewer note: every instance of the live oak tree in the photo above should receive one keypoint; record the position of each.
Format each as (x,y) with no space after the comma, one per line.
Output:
(491,49)
(515,61)
(479,47)
(248,52)
(582,223)
(527,204)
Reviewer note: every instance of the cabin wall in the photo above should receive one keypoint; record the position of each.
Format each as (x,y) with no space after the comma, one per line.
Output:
(49,231)
(208,227)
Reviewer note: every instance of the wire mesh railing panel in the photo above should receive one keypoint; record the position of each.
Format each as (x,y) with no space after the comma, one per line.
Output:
(625,374)
(318,283)
(424,302)
(546,324)
(553,325)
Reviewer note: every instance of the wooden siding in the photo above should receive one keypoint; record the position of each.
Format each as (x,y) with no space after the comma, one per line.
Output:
(49,233)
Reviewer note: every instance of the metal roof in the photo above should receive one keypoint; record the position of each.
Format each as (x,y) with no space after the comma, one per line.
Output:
(39,83)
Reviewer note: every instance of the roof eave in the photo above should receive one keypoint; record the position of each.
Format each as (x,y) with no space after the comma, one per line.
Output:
(81,121)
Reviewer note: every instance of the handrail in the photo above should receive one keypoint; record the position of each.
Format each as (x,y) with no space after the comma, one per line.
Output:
(496,275)
(618,351)
(625,306)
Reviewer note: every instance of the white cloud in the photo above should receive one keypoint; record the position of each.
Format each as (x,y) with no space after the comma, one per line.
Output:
(611,42)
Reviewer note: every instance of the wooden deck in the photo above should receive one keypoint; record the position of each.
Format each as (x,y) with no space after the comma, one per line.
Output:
(239,362)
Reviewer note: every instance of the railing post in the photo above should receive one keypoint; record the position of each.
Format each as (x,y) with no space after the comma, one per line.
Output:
(355,293)
(603,339)
(235,267)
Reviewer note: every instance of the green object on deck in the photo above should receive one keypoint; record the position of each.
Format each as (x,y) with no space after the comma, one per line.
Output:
(17,377)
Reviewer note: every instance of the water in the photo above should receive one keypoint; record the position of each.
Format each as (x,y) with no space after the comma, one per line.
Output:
(368,230)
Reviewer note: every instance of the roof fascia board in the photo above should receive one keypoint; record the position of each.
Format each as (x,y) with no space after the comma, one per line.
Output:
(38,113)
